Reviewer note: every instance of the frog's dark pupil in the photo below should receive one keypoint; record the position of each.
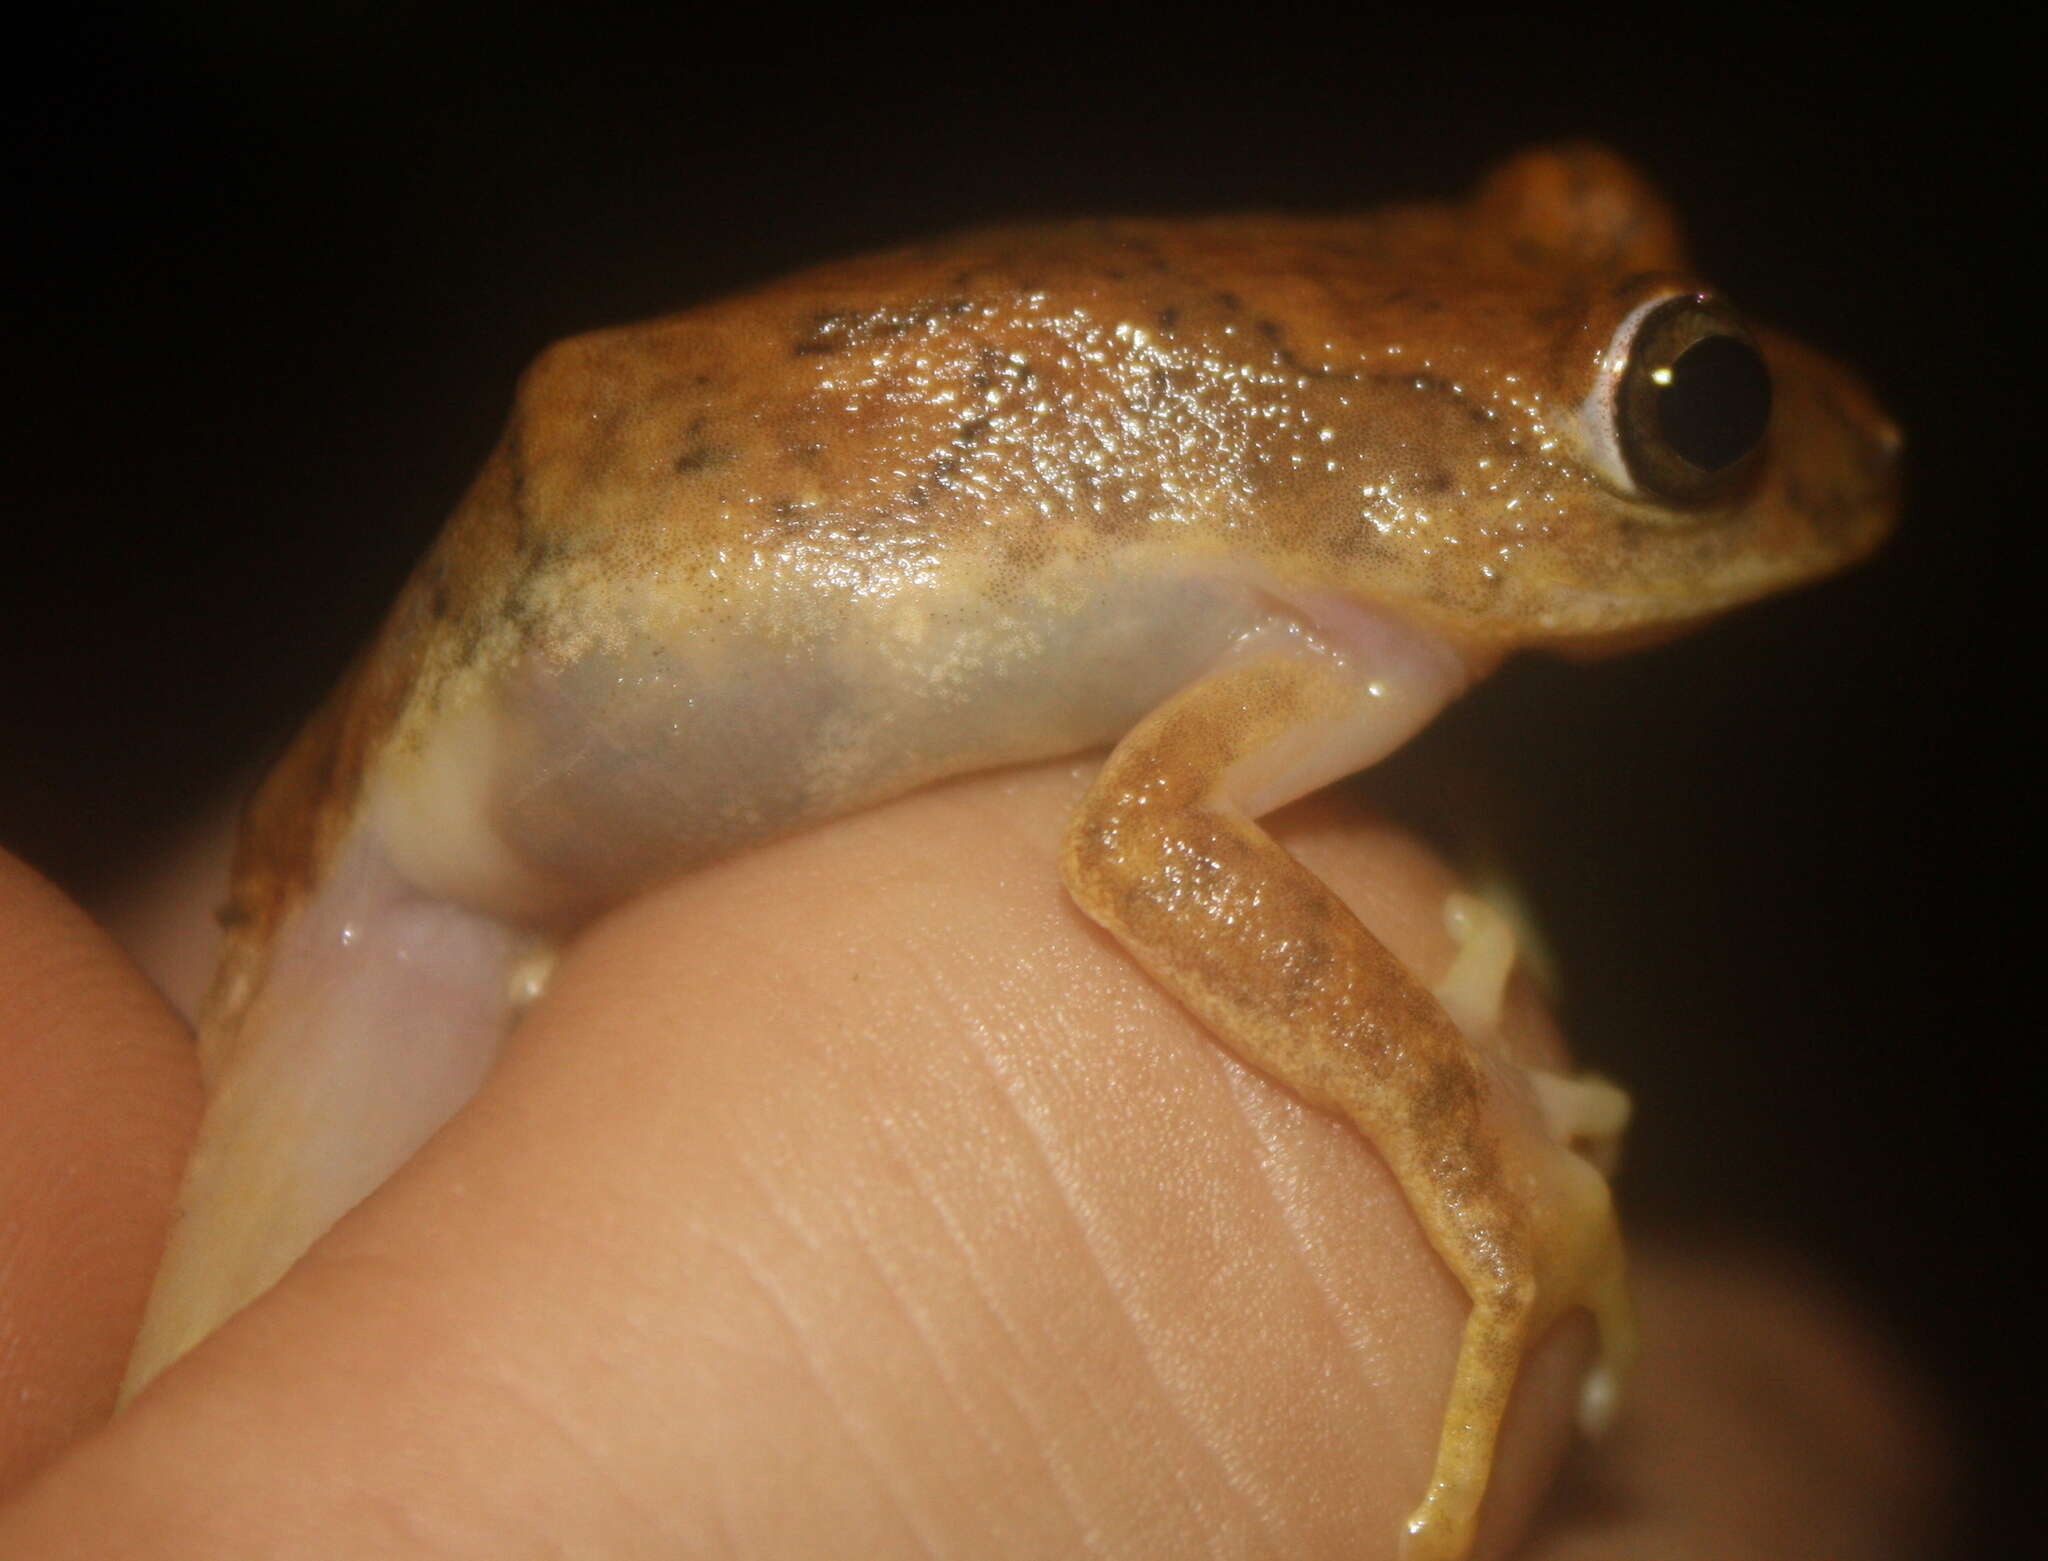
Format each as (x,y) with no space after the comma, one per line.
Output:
(1713,408)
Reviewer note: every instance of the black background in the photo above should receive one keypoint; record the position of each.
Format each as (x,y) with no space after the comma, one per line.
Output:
(282,272)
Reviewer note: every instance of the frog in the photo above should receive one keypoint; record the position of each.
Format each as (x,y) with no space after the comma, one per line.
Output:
(1241,501)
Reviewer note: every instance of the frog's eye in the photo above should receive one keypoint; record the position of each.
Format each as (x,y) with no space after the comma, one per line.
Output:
(1683,401)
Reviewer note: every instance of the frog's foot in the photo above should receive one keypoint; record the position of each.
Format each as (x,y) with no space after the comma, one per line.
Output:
(1585,1114)
(1575,1248)
(1575,1256)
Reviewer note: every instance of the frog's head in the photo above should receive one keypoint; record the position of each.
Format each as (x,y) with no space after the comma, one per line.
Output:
(1593,447)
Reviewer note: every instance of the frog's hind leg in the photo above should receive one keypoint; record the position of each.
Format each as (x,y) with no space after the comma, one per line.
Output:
(373,1017)
(1165,855)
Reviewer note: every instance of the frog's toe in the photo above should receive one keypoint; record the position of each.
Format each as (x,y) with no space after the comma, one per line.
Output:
(1587,1114)
(1474,988)
(1614,1316)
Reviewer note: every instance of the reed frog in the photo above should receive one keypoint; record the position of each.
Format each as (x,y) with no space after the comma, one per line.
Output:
(1245,500)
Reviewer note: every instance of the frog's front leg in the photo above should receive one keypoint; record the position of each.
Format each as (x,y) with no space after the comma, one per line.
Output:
(1165,855)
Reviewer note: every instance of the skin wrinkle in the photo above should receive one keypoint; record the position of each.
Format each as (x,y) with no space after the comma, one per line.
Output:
(859,1217)
(727,1525)
(388,1283)
(579,1442)
(1009,1082)
(758,1274)
(1045,1440)
(899,1295)
(1288,1215)
(1246,1091)
(1270,1496)
(1136,1319)
(551,1424)
(1041,1437)
(724,1522)
(1017,1101)
(583,1440)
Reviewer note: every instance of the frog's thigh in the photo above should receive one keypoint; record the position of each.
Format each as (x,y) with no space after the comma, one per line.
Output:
(1271,960)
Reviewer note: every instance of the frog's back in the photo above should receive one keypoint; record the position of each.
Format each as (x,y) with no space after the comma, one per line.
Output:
(1388,406)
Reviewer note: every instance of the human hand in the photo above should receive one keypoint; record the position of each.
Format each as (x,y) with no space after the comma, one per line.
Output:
(857,1196)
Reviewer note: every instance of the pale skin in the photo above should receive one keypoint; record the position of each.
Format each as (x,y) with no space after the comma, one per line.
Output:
(1250,498)
(1838,1458)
